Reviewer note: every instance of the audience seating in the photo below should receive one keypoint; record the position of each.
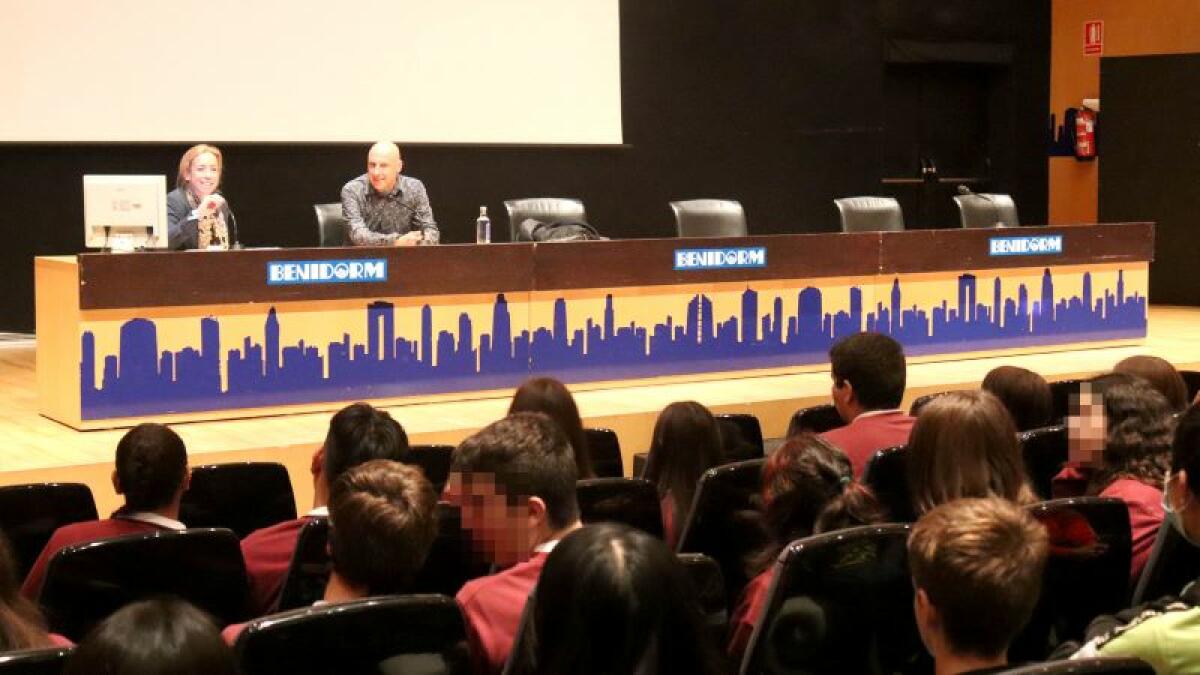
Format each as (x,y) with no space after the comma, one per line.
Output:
(1100,666)
(1173,564)
(331,225)
(870,214)
(29,514)
(605,451)
(709,218)
(405,633)
(723,520)
(1087,573)
(310,567)
(1060,395)
(1045,452)
(749,436)
(240,496)
(631,501)
(816,419)
(49,661)
(639,463)
(452,561)
(887,476)
(841,602)
(922,401)
(87,582)
(705,575)
(434,461)
(985,210)
(545,209)
(1191,378)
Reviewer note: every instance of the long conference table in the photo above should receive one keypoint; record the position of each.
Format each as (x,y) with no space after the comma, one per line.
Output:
(198,335)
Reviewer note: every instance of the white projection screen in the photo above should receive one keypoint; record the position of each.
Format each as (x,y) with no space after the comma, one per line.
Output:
(436,71)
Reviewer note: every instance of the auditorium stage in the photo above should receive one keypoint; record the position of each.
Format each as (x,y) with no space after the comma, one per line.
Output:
(37,449)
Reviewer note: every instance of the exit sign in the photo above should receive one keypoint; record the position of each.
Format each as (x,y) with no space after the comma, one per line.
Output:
(1093,38)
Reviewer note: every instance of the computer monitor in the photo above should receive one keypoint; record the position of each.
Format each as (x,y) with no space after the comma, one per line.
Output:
(123,213)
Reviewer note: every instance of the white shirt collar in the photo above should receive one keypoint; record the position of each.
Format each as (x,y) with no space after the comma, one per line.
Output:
(318,512)
(154,519)
(546,546)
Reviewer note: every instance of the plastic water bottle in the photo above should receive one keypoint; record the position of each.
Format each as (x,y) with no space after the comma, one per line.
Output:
(483,227)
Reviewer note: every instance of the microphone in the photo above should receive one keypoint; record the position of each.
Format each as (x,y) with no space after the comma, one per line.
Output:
(234,244)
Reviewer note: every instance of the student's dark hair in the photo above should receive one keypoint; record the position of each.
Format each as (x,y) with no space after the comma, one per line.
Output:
(21,625)
(151,466)
(382,523)
(552,398)
(160,636)
(1025,394)
(1160,374)
(1139,430)
(525,455)
(360,433)
(612,599)
(1185,449)
(686,442)
(874,365)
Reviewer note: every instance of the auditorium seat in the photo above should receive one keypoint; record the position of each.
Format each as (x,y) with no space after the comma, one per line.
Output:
(985,210)
(887,476)
(331,225)
(1173,564)
(1191,378)
(709,218)
(604,449)
(452,560)
(1045,452)
(240,496)
(630,501)
(749,444)
(841,603)
(545,209)
(816,419)
(1096,666)
(308,572)
(434,461)
(358,636)
(87,582)
(29,514)
(706,578)
(870,214)
(49,661)
(1060,396)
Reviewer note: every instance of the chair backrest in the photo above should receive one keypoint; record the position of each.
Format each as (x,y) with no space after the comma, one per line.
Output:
(240,496)
(639,463)
(887,476)
(706,578)
(1173,564)
(50,661)
(870,214)
(1087,572)
(722,522)
(331,225)
(749,436)
(1060,397)
(1095,666)
(310,567)
(984,210)
(817,419)
(452,560)
(604,449)
(632,501)
(29,514)
(87,582)
(356,636)
(434,461)
(1045,452)
(545,209)
(922,401)
(1191,379)
(709,218)
(840,602)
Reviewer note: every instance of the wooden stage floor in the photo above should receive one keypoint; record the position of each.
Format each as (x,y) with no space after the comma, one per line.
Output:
(37,449)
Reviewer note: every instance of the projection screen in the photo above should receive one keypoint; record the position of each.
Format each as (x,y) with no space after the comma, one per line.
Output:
(437,71)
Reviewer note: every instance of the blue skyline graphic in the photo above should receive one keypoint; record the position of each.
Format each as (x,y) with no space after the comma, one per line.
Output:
(142,380)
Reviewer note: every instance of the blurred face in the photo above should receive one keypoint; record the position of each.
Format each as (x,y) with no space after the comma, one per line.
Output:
(204,175)
(383,167)
(1087,428)
(503,533)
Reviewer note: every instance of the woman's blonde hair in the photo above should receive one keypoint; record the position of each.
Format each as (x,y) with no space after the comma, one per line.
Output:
(185,162)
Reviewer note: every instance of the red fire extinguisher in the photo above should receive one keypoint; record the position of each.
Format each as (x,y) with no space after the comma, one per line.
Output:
(1085,135)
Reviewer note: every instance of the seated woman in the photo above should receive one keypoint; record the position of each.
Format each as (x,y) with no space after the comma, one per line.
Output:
(197,215)
(1025,394)
(1160,374)
(552,398)
(686,443)
(612,599)
(152,473)
(807,489)
(21,624)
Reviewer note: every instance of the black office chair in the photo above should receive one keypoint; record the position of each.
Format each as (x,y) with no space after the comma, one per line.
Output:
(413,633)
(722,522)
(1060,394)
(631,501)
(742,436)
(841,602)
(240,496)
(544,209)
(1097,666)
(816,419)
(1173,564)
(886,474)
(870,214)
(309,570)
(1045,452)
(922,401)
(985,210)
(1191,378)
(29,514)
(452,560)
(331,225)
(604,449)
(49,661)
(709,218)
(434,461)
(87,582)
(1086,575)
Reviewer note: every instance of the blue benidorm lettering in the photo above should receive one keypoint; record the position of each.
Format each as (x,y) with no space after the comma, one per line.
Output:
(1051,244)
(282,272)
(720,258)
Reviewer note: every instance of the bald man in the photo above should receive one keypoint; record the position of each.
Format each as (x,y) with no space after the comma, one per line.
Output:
(383,208)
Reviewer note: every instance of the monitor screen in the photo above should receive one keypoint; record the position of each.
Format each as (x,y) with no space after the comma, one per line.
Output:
(125,212)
